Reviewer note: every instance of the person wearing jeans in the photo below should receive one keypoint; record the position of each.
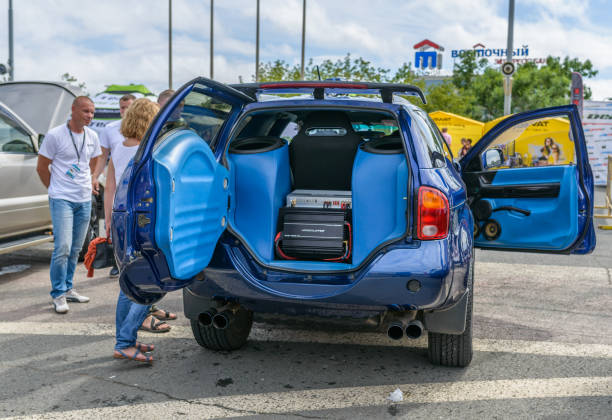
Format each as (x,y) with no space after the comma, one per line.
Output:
(129,315)
(66,159)
(70,221)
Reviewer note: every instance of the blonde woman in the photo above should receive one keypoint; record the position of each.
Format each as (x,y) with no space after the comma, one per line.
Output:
(129,315)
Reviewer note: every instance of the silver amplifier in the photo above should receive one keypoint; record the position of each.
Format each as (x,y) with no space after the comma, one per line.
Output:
(320,199)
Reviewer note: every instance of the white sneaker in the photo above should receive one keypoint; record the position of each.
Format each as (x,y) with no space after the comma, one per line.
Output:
(72,296)
(60,305)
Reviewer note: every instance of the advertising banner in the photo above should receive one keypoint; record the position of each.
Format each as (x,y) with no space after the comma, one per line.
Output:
(597,125)
(529,143)
(458,127)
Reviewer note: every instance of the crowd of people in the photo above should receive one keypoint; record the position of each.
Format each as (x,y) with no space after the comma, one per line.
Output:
(70,161)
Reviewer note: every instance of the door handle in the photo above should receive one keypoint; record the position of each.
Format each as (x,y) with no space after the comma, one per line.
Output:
(511,208)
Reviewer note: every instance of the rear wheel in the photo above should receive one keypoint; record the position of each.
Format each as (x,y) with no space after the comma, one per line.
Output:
(231,338)
(455,350)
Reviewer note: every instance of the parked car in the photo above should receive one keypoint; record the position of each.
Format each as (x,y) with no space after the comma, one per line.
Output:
(298,205)
(27,111)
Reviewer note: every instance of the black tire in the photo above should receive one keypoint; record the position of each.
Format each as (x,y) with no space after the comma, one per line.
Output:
(92,228)
(454,350)
(231,338)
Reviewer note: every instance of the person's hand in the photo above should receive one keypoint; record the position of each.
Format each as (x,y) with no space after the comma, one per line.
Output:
(108,238)
(95,187)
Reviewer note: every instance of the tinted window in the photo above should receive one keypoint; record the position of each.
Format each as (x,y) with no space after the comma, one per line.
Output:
(430,137)
(12,138)
(200,113)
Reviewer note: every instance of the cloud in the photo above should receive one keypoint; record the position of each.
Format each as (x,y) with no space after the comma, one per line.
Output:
(121,42)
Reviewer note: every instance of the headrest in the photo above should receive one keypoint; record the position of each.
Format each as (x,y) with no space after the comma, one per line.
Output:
(325,119)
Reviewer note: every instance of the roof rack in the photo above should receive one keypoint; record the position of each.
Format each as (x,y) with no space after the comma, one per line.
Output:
(386,90)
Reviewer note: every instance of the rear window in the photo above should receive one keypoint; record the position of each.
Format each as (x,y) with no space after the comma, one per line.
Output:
(430,137)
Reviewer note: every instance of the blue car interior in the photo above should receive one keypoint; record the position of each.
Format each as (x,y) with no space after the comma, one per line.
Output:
(194,215)
(376,176)
(263,170)
(548,197)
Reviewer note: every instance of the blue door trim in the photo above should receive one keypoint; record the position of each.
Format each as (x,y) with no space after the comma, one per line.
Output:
(585,241)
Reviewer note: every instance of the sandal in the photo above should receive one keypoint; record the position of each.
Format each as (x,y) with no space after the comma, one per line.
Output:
(145,348)
(134,357)
(165,315)
(155,326)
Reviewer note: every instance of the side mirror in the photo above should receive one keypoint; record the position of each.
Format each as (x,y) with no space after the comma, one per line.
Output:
(40,140)
(493,158)
(457,165)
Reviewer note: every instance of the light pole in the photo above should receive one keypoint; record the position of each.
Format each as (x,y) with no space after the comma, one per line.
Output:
(303,37)
(508,78)
(212,52)
(11,60)
(257,45)
(169,44)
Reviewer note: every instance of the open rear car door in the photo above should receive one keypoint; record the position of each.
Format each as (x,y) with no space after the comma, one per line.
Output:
(172,201)
(530,185)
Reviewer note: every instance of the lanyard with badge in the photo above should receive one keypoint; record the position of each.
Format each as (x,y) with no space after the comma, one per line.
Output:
(74,168)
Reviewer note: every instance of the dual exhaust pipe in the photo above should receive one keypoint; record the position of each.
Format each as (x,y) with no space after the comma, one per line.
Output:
(218,319)
(413,330)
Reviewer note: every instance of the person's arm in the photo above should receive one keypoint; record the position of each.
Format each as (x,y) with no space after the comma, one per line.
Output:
(95,184)
(101,163)
(42,168)
(109,196)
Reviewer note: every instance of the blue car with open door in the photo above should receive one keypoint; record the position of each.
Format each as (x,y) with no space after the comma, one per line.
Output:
(336,200)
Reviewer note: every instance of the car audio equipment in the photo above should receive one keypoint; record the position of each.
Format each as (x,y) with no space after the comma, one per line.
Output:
(482,210)
(491,230)
(320,199)
(476,229)
(314,234)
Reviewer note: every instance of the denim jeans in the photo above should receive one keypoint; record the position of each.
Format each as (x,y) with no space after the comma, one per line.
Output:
(128,319)
(70,222)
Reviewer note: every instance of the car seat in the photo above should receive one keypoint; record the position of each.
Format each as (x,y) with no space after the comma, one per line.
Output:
(324,162)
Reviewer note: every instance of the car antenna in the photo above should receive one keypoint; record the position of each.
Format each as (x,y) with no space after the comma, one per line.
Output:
(318,74)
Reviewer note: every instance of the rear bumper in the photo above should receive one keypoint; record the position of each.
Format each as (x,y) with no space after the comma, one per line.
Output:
(378,287)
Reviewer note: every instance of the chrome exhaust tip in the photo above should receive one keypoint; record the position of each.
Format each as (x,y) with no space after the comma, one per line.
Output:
(414,329)
(395,331)
(206,318)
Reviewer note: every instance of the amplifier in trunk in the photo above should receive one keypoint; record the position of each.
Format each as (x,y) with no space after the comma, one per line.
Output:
(321,199)
(314,234)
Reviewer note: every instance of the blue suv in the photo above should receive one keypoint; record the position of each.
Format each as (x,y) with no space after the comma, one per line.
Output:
(342,201)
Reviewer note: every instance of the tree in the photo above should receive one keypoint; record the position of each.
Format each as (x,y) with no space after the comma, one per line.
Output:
(67,77)
(475,89)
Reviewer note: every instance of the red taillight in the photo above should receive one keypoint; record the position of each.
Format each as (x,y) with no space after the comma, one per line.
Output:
(433,211)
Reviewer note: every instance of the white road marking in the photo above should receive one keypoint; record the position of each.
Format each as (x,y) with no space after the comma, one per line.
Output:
(545,348)
(339,398)
(11,269)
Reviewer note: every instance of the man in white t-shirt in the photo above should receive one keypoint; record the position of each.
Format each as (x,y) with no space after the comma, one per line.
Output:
(66,159)
(110,137)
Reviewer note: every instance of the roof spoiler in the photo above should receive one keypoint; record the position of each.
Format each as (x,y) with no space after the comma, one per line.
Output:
(386,90)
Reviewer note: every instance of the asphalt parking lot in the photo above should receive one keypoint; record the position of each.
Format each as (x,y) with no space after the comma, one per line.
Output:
(543,341)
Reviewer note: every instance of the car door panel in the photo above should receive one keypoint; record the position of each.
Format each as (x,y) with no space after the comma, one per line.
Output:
(547,194)
(172,208)
(193,215)
(538,208)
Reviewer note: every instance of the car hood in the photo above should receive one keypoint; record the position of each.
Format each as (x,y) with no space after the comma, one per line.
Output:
(42,105)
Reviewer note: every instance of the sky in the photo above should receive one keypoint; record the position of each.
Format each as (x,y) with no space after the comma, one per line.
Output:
(126,41)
